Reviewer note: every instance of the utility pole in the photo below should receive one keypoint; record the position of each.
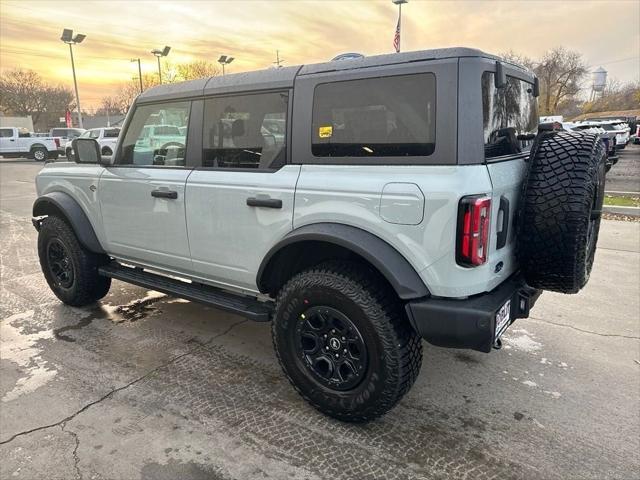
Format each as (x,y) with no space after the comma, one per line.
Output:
(140,70)
(278,60)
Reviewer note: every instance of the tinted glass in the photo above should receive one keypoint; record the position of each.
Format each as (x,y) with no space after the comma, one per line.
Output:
(111,132)
(510,116)
(390,116)
(245,131)
(154,137)
(6,132)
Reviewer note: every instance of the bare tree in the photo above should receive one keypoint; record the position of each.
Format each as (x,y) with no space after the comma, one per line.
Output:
(196,69)
(560,72)
(23,92)
(519,59)
(616,96)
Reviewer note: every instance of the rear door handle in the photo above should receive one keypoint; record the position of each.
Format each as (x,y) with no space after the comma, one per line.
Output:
(164,194)
(264,202)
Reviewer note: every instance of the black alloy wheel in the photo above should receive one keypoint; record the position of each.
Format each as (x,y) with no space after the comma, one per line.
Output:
(60,263)
(331,348)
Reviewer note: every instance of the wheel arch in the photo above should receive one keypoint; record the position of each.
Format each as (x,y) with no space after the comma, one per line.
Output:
(37,145)
(64,206)
(311,244)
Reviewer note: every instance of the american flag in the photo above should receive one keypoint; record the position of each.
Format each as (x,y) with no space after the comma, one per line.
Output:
(396,37)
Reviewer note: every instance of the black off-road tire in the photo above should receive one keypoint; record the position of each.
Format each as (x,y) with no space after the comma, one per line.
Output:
(394,351)
(106,151)
(561,209)
(87,286)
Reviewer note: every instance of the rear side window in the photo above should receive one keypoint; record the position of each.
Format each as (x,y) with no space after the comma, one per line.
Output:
(6,133)
(154,138)
(375,117)
(509,115)
(111,132)
(245,131)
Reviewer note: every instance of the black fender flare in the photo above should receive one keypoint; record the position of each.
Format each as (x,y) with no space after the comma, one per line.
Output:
(386,259)
(62,204)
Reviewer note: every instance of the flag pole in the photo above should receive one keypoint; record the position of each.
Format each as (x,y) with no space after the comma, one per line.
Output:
(399,26)
(398,35)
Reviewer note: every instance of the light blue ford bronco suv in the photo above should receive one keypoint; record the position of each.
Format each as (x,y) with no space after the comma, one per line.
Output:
(359,205)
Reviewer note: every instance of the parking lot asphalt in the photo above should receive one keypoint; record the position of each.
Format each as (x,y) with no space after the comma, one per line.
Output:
(145,386)
(625,175)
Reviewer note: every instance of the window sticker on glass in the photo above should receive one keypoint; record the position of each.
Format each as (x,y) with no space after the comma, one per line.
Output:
(325,132)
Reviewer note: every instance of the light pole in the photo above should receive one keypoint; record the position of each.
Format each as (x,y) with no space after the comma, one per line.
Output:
(68,38)
(139,71)
(224,60)
(396,39)
(160,53)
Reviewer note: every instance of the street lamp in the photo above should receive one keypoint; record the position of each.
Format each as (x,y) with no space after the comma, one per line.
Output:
(68,38)
(396,39)
(224,60)
(160,53)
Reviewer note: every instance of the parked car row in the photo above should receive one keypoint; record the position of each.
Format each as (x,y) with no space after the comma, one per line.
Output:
(106,137)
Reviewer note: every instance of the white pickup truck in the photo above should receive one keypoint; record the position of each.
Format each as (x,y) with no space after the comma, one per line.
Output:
(106,138)
(19,142)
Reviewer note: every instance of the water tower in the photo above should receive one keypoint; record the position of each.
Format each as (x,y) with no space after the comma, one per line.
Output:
(599,82)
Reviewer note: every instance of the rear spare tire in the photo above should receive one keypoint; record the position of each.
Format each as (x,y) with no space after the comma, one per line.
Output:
(561,209)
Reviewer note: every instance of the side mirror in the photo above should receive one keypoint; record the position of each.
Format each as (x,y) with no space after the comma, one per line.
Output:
(86,150)
(500,78)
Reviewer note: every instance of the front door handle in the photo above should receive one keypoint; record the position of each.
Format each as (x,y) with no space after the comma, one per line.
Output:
(164,194)
(264,202)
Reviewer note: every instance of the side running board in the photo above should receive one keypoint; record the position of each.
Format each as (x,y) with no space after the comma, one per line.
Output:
(196,292)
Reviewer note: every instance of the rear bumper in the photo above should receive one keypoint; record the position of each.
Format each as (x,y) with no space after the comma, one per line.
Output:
(470,323)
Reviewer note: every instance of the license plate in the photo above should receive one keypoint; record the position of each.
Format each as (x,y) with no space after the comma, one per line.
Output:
(503,319)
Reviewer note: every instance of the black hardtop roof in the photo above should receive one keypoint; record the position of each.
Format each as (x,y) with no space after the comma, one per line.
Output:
(274,78)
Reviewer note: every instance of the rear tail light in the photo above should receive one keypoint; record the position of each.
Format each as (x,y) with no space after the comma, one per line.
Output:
(472,242)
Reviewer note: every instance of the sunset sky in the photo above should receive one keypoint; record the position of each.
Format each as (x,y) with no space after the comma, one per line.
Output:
(606,32)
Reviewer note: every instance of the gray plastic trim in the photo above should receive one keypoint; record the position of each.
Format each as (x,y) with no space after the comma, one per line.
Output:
(386,259)
(55,202)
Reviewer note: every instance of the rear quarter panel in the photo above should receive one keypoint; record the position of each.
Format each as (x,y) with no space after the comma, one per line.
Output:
(352,195)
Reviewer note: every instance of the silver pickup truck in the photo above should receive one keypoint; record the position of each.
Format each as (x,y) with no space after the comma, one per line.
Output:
(403,197)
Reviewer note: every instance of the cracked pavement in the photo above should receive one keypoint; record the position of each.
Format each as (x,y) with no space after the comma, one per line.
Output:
(146,386)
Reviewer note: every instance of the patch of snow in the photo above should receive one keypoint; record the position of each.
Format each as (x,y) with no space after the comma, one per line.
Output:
(21,349)
(529,383)
(553,394)
(525,343)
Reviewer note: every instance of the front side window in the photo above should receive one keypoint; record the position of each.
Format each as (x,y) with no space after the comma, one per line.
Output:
(94,133)
(154,136)
(245,131)
(510,116)
(388,116)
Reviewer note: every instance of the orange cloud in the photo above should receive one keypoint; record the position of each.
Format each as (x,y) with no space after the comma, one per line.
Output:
(607,33)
